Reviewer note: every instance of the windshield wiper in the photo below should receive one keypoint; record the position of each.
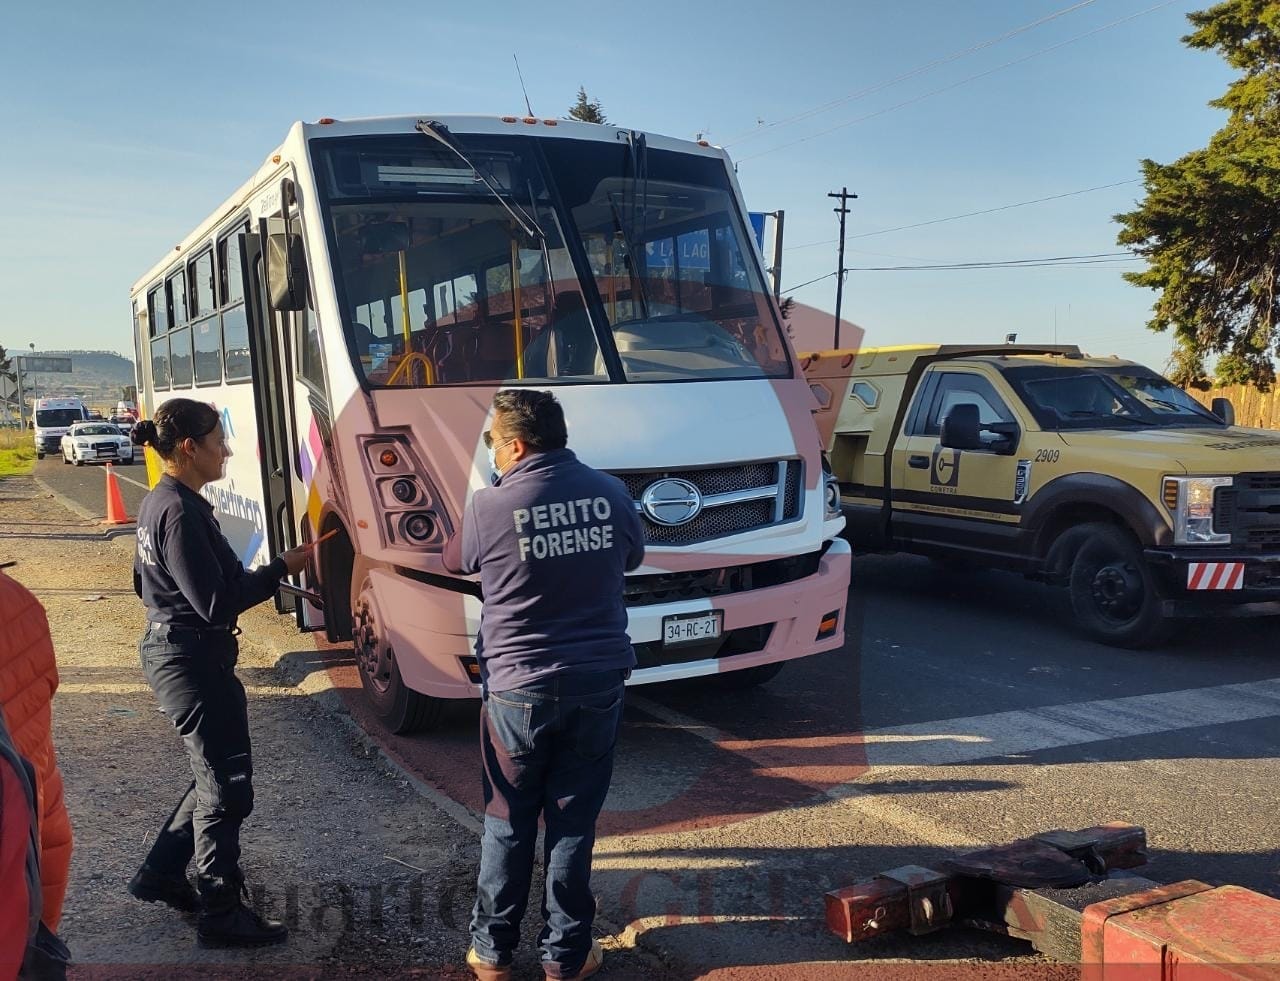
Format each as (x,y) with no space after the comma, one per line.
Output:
(528,224)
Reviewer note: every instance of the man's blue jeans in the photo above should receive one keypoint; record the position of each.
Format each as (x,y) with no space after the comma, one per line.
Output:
(547,750)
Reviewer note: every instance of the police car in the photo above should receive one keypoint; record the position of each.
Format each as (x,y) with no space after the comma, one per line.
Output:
(96,442)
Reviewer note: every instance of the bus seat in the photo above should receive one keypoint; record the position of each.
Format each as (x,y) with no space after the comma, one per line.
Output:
(495,354)
(363,337)
(572,348)
(454,353)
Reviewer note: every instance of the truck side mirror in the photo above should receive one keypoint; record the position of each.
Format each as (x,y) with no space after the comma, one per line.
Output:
(1224,410)
(962,428)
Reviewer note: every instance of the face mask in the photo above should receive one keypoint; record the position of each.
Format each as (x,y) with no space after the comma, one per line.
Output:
(493,460)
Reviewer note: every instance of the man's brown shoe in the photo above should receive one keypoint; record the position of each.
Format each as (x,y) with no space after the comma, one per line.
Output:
(593,963)
(484,971)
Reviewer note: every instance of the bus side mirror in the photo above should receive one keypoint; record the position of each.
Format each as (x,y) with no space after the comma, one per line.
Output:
(1224,410)
(286,271)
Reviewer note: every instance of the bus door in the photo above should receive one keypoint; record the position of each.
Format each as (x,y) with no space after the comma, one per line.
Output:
(317,472)
(270,347)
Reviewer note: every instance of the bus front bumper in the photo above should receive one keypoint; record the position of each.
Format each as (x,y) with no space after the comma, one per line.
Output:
(757,626)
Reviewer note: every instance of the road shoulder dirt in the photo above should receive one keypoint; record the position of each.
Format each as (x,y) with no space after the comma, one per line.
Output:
(368,873)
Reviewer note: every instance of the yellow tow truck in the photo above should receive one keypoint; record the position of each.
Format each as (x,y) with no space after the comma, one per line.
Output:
(1096,474)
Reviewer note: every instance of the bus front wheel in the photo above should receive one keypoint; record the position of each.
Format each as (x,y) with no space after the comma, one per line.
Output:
(399,707)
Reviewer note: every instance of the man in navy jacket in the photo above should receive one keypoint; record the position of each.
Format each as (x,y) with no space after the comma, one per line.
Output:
(552,540)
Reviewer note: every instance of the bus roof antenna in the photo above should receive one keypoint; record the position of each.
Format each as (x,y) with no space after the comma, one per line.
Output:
(525,91)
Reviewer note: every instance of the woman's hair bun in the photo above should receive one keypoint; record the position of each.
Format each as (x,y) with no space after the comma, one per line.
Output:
(144,433)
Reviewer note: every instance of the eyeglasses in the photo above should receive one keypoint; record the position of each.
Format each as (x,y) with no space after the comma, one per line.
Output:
(489,444)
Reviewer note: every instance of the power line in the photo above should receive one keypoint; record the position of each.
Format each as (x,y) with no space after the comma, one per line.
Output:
(880,86)
(1088,259)
(800,286)
(963,81)
(971,214)
(1007,264)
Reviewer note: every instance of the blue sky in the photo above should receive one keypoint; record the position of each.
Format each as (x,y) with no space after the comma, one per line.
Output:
(127,123)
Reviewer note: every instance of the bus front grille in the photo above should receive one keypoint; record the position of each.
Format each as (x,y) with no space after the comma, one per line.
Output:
(779,498)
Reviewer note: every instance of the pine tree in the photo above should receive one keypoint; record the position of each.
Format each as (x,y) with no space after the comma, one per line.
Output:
(1207,226)
(586,109)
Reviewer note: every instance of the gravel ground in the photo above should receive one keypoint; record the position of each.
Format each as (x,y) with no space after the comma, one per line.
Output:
(372,878)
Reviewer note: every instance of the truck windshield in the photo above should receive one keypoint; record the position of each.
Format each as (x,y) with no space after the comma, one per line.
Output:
(57,418)
(440,284)
(1106,398)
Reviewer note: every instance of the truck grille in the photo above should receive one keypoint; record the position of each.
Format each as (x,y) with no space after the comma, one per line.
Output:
(783,502)
(1249,510)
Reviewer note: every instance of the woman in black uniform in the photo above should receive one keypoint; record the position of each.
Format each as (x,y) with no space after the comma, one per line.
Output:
(194,587)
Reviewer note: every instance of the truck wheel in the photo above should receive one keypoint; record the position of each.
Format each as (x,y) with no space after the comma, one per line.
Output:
(1113,595)
(39,456)
(400,709)
(750,677)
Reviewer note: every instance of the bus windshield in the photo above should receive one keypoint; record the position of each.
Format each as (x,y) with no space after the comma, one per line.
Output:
(636,266)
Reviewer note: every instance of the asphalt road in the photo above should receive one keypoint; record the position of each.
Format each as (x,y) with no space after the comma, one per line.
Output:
(963,710)
(86,486)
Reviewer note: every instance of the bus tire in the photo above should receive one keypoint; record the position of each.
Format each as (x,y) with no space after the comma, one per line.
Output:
(1113,594)
(401,709)
(750,677)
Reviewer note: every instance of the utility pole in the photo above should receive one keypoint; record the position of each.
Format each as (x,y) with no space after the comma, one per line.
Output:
(843,210)
(22,397)
(776,270)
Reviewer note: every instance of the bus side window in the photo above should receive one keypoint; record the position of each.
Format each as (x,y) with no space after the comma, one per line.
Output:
(160,363)
(237,365)
(310,361)
(158,310)
(177,289)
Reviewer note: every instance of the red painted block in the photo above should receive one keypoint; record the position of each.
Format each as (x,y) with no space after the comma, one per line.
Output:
(1184,932)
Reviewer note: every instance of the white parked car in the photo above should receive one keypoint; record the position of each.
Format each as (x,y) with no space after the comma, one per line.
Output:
(124,423)
(96,442)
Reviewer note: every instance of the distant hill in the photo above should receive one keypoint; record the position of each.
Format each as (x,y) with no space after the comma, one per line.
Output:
(96,376)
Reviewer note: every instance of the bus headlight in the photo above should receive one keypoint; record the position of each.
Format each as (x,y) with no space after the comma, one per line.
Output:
(418,527)
(411,515)
(404,490)
(830,490)
(1191,501)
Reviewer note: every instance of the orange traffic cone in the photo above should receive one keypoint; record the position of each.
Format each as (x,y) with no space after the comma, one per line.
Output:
(116,514)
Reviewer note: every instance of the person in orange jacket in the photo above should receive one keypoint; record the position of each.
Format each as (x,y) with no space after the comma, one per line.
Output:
(28,679)
(19,858)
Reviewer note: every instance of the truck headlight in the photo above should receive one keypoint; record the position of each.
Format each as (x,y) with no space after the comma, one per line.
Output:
(1190,499)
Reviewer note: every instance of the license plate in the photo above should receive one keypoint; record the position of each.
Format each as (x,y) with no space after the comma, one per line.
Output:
(692,628)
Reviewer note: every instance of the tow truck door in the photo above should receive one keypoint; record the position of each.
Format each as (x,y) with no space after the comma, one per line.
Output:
(957,499)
